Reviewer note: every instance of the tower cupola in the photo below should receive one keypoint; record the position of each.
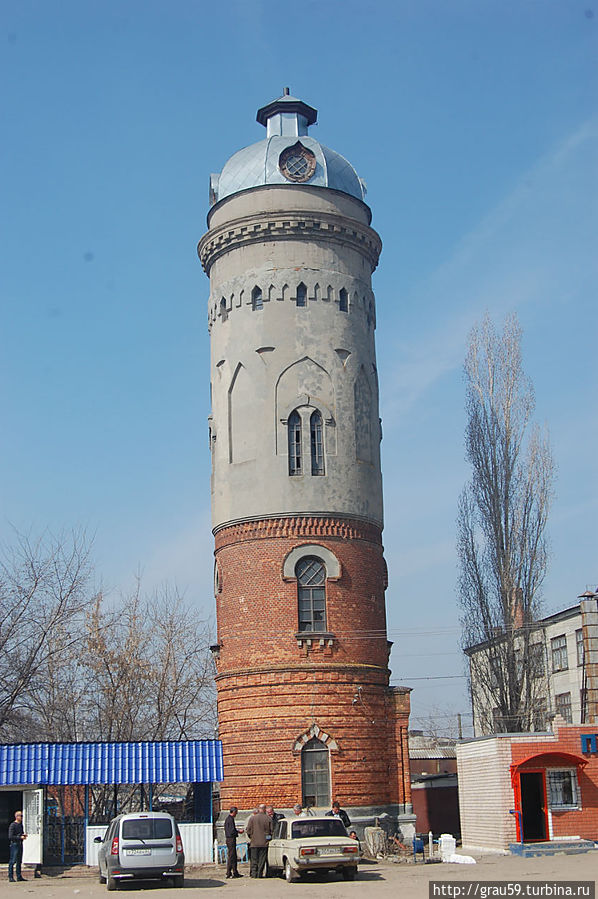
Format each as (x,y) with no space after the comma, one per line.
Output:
(288,155)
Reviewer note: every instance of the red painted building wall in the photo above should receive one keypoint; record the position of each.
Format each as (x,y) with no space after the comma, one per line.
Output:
(565,751)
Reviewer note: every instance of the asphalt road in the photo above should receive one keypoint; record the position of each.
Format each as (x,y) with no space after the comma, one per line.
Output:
(376,879)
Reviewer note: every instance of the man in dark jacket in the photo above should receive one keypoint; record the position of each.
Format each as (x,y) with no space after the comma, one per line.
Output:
(259,831)
(16,835)
(231,833)
(338,812)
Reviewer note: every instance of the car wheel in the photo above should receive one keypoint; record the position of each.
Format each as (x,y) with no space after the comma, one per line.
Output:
(349,873)
(112,883)
(290,875)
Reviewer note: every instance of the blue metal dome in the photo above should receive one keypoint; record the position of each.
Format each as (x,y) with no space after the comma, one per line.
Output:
(306,160)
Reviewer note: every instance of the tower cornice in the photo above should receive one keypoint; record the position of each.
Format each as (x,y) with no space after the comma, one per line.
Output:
(298,526)
(280,226)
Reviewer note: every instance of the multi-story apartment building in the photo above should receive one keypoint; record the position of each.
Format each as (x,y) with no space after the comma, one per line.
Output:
(563,646)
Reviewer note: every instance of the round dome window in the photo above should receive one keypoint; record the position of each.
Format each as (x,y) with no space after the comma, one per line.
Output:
(297,163)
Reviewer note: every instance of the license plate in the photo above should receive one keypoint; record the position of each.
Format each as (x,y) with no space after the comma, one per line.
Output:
(138,851)
(330,850)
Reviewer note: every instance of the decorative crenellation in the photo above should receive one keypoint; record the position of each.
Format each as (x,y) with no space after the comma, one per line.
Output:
(284,226)
(297,526)
(351,295)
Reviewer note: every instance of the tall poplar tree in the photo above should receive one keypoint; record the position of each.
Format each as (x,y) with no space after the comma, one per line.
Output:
(502,542)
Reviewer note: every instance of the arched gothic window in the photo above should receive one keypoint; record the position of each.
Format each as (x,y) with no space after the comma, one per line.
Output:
(311,595)
(295,454)
(315,774)
(301,294)
(343,300)
(223,312)
(317,444)
(257,301)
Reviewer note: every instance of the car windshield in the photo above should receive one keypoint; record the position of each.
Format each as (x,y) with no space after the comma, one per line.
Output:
(332,828)
(147,829)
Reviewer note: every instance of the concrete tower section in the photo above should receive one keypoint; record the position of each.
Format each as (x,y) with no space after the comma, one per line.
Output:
(305,709)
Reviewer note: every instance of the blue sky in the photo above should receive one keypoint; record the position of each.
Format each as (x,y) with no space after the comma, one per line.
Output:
(475,126)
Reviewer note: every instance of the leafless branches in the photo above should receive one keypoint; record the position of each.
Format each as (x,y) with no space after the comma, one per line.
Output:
(74,666)
(43,589)
(501,526)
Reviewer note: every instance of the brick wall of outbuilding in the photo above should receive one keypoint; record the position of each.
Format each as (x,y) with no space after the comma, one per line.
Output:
(486,788)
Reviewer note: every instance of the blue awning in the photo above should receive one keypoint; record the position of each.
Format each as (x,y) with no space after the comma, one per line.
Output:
(173,761)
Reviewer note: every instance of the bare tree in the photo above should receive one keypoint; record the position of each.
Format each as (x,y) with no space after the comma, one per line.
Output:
(44,590)
(142,670)
(502,519)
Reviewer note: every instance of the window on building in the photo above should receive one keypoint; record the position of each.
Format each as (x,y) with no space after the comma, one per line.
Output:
(579,646)
(560,661)
(539,721)
(315,774)
(295,455)
(302,295)
(562,703)
(223,312)
(494,665)
(317,443)
(257,301)
(311,595)
(343,300)
(537,666)
(563,789)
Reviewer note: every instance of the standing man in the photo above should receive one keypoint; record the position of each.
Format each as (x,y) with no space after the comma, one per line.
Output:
(338,812)
(16,835)
(231,833)
(259,831)
(274,816)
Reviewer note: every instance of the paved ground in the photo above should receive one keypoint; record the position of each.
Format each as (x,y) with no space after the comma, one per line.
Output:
(375,879)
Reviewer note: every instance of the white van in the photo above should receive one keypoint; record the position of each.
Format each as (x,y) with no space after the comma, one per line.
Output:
(142,846)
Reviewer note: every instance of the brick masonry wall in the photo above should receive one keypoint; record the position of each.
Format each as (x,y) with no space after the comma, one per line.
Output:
(273,693)
(581,822)
(486,792)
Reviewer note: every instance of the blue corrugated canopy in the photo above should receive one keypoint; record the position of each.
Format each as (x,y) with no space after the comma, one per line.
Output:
(173,761)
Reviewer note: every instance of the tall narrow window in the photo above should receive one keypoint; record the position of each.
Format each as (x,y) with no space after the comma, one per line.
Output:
(295,456)
(317,446)
(223,312)
(579,646)
(311,594)
(302,295)
(343,300)
(257,301)
(315,774)
(562,702)
(558,645)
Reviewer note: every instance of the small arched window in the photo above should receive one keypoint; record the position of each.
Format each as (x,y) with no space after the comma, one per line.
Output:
(223,312)
(315,774)
(317,443)
(311,595)
(295,455)
(302,295)
(343,300)
(257,301)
